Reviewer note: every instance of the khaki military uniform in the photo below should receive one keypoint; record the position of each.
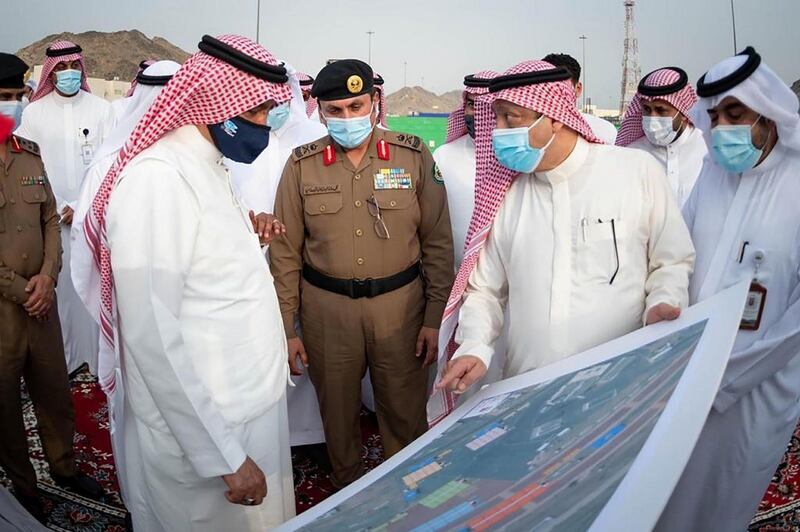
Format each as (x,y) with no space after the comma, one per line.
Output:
(30,244)
(322,200)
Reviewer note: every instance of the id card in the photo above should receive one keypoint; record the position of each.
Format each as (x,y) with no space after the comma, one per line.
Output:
(754,307)
(87,153)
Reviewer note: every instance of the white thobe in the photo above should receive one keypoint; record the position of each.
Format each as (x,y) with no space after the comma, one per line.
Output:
(551,255)
(256,184)
(758,404)
(682,160)
(68,132)
(602,128)
(204,351)
(120,107)
(456,161)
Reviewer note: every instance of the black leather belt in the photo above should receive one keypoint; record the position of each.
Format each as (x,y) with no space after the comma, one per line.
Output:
(358,288)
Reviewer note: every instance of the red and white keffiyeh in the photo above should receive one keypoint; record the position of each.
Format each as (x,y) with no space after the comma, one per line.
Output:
(684,99)
(553,99)
(142,66)
(378,81)
(46,85)
(306,82)
(456,128)
(205,90)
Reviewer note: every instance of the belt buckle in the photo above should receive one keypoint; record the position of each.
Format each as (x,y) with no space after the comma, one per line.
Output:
(360,288)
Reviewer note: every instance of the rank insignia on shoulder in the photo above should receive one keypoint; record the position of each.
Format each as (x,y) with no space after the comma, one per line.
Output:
(437,175)
(306,150)
(329,156)
(33,180)
(383,150)
(393,179)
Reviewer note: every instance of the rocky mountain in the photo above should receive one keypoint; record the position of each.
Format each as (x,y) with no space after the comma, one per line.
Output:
(418,100)
(109,55)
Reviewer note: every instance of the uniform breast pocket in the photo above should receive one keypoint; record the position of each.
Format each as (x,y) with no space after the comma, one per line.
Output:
(395,200)
(599,250)
(33,194)
(318,203)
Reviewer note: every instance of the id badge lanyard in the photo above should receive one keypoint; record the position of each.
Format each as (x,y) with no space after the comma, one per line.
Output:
(87,150)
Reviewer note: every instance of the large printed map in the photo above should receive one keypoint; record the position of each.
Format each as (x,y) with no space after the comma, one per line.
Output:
(545,457)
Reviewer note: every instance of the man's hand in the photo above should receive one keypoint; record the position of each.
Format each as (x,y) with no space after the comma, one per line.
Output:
(428,344)
(66,215)
(248,486)
(462,373)
(296,349)
(267,227)
(662,312)
(42,293)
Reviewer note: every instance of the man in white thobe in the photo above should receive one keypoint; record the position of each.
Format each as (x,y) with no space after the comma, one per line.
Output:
(69,124)
(587,245)
(745,223)
(256,185)
(203,351)
(602,129)
(658,122)
(456,159)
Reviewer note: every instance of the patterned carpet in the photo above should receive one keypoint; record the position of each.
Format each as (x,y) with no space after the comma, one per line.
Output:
(779,511)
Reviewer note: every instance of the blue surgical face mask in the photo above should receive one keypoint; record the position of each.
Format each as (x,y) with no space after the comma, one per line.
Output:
(514,151)
(68,82)
(733,147)
(240,140)
(13,110)
(350,133)
(278,116)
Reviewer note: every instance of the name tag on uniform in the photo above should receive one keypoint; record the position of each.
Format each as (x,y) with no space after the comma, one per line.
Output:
(393,179)
(87,153)
(30,181)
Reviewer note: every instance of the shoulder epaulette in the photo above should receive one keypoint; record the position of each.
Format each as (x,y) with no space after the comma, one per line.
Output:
(309,149)
(27,145)
(404,139)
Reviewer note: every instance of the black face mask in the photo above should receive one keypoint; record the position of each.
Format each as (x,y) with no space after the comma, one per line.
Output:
(240,140)
(469,121)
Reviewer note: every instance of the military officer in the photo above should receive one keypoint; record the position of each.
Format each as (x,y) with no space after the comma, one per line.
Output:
(30,333)
(367,263)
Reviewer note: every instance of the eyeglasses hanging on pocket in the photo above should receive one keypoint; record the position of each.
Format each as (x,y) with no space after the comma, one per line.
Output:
(375,210)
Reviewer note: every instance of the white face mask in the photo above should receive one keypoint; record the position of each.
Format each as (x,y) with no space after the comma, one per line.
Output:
(659,129)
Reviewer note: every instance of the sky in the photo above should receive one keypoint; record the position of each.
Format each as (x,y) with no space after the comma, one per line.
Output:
(436,42)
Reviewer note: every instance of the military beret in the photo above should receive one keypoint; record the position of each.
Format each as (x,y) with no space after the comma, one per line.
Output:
(12,71)
(343,79)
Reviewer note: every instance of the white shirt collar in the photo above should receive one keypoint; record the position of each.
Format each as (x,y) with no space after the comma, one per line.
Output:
(569,166)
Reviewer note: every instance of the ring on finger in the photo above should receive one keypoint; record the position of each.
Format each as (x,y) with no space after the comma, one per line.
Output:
(249,501)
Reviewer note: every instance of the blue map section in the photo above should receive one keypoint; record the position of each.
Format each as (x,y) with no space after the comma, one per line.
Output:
(543,458)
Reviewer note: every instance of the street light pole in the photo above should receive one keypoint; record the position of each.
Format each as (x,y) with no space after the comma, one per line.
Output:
(405,73)
(258,19)
(733,22)
(369,56)
(583,42)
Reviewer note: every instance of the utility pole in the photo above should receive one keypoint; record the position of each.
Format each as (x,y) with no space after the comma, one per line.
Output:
(405,73)
(583,70)
(258,20)
(733,22)
(369,54)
